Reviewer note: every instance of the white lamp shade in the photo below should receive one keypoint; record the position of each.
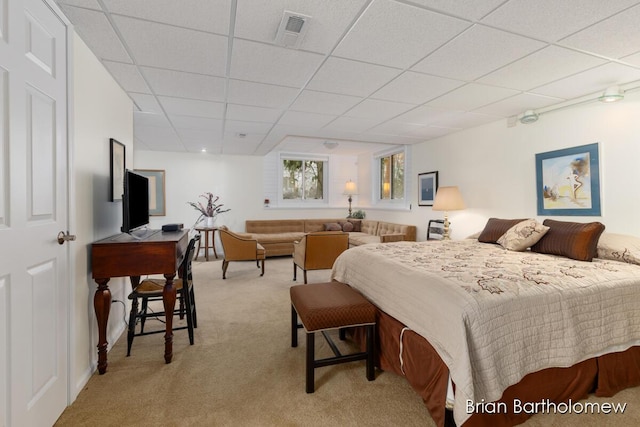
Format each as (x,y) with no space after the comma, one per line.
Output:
(350,188)
(448,199)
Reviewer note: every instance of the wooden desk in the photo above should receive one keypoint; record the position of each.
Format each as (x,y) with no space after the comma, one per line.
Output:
(207,244)
(121,256)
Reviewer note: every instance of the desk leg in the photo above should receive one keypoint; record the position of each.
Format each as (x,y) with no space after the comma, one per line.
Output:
(102,306)
(169,301)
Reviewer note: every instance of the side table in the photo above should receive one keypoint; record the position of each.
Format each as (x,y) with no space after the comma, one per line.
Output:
(208,244)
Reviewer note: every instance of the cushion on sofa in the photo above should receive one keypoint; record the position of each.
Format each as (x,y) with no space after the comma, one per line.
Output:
(332,226)
(277,237)
(357,224)
(360,238)
(346,226)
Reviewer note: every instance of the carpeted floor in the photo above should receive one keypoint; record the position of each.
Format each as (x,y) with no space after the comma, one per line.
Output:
(241,371)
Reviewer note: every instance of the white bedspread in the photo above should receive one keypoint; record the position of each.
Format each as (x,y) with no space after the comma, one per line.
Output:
(494,315)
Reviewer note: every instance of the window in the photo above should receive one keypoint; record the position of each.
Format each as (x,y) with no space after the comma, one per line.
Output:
(391,176)
(303,179)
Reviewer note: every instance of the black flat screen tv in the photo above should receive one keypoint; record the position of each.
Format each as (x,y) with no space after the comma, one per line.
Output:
(135,202)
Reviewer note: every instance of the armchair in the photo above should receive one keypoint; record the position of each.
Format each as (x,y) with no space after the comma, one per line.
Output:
(318,251)
(239,248)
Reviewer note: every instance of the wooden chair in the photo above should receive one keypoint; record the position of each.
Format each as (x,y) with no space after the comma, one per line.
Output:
(151,290)
(435,229)
(318,251)
(239,248)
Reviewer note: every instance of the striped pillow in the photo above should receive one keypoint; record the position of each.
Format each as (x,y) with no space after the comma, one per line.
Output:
(570,239)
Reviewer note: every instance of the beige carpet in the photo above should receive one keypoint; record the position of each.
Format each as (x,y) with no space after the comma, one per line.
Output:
(243,372)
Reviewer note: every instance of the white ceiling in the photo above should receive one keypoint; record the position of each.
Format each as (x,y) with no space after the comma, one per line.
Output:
(207,74)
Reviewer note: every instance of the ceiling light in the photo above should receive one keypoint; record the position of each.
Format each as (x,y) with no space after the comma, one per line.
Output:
(612,94)
(529,116)
(292,29)
(204,150)
(330,144)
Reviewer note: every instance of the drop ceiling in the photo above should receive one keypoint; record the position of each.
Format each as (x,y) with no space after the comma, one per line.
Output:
(208,75)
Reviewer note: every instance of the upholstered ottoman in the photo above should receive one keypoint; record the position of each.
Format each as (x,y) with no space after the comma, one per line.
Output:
(333,305)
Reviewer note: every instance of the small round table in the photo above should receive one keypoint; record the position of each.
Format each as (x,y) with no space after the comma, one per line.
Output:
(208,244)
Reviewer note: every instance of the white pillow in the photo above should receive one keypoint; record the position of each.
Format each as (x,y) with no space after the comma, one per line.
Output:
(619,247)
(522,235)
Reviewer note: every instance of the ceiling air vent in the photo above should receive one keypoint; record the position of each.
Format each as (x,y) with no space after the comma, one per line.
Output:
(292,29)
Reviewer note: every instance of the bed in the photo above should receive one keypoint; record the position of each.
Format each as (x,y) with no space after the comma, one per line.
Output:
(482,324)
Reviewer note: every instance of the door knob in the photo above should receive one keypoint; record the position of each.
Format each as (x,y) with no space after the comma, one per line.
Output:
(65,237)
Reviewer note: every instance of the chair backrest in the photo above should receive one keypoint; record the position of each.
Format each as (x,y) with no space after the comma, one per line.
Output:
(237,248)
(435,229)
(323,247)
(185,267)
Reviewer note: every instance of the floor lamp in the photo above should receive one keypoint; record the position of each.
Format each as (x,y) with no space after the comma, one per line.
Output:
(448,199)
(350,190)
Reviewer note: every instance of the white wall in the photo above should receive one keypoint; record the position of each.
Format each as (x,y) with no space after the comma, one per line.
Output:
(494,166)
(101,110)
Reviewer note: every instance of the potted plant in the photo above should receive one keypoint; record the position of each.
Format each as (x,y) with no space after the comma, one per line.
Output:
(359,214)
(210,211)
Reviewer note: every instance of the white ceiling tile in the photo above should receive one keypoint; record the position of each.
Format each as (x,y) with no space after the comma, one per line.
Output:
(423,115)
(253,114)
(378,110)
(262,63)
(465,120)
(386,25)
(90,4)
(260,95)
(159,139)
(146,103)
(541,67)
(632,59)
(232,146)
(205,15)
(350,77)
(416,88)
(96,31)
(430,132)
(471,96)
(397,34)
(198,123)
(150,119)
(517,104)
(128,76)
(324,103)
(185,85)
(248,128)
(165,46)
(552,20)
(468,9)
(329,20)
(476,52)
(592,81)
(299,118)
(192,107)
(615,37)
(394,128)
(200,135)
(351,124)
(211,145)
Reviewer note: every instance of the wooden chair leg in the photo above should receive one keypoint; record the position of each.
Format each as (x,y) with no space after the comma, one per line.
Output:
(132,325)
(311,342)
(305,276)
(295,271)
(371,375)
(294,327)
(262,274)
(225,264)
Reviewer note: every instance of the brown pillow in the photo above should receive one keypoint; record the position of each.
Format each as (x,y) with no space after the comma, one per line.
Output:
(332,226)
(357,225)
(347,226)
(571,239)
(495,228)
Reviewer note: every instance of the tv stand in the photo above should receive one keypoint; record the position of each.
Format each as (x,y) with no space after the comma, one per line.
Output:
(123,255)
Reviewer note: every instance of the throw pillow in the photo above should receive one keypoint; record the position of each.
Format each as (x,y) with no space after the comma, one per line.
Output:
(347,226)
(522,235)
(332,226)
(571,239)
(357,225)
(619,247)
(495,228)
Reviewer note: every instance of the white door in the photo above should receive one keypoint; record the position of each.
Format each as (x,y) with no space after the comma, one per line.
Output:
(34,276)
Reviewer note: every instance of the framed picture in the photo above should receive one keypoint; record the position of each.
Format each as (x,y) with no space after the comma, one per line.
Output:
(427,187)
(568,181)
(156,190)
(117,170)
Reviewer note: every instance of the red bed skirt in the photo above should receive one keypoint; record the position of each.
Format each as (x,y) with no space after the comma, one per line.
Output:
(428,375)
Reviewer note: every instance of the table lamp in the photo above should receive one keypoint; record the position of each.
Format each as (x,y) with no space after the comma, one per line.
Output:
(350,190)
(448,199)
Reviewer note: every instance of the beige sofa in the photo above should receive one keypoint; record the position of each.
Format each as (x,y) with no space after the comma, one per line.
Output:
(277,235)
